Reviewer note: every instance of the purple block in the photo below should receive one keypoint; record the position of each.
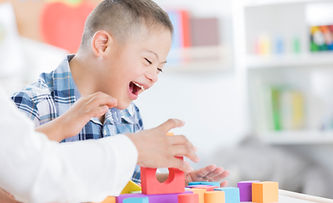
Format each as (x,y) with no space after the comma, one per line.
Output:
(245,190)
(162,198)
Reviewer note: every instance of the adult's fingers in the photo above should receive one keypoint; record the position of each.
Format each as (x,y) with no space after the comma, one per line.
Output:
(179,151)
(170,124)
(180,164)
(180,139)
(202,173)
(183,150)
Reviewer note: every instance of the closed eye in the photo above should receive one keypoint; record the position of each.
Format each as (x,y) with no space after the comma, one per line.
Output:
(160,70)
(148,61)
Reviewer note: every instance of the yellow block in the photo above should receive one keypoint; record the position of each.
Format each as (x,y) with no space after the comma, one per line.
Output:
(131,187)
(214,197)
(264,192)
(169,134)
(200,192)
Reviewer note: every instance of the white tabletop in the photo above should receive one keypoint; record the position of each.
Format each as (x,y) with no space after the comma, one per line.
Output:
(293,197)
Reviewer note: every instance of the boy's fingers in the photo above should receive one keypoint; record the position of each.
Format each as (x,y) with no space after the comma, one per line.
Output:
(180,150)
(205,171)
(104,99)
(214,172)
(99,111)
(220,176)
(170,124)
(224,183)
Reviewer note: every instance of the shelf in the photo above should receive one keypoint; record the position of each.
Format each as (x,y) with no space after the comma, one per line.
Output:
(257,3)
(297,137)
(285,61)
(200,59)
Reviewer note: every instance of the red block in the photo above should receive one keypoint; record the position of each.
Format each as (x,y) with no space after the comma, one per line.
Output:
(150,185)
(188,198)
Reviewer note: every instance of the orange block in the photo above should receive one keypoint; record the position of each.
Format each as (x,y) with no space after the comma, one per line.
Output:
(200,192)
(214,197)
(109,199)
(188,198)
(264,192)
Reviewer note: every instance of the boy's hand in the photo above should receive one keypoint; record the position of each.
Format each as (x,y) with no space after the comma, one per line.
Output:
(157,150)
(71,123)
(210,173)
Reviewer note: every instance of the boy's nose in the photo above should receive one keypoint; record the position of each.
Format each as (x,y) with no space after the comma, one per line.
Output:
(152,75)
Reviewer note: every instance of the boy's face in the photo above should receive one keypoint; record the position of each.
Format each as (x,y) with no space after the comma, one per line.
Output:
(133,66)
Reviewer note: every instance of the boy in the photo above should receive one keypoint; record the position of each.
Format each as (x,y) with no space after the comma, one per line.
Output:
(124,46)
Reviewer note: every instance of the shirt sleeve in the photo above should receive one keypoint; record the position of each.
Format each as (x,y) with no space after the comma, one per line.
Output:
(35,169)
(25,104)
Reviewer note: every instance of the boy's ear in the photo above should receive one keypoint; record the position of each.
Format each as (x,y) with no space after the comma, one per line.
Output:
(101,43)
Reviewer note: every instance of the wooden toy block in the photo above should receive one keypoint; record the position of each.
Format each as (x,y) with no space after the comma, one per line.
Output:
(188,198)
(200,192)
(231,194)
(136,200)
(214,197)
(217,184)
(109,199)
(245,190)
(130,188)
(159,198)
(174,184)
(267,191)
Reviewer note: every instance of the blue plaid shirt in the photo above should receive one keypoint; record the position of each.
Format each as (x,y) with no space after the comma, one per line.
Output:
(54,93)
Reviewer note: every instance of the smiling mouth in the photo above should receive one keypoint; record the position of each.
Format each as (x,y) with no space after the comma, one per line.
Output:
(136,88)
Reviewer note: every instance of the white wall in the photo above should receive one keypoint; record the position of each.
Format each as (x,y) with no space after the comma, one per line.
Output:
(209,103)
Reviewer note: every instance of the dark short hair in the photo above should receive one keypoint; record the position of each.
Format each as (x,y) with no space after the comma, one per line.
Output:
(122,17)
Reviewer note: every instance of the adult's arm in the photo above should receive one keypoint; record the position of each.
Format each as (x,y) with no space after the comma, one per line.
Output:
(35,169)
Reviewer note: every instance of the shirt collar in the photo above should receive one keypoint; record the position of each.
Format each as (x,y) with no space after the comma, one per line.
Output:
(63,80)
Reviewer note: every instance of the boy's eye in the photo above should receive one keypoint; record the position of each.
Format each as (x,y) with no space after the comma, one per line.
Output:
(148,61)
(159,70)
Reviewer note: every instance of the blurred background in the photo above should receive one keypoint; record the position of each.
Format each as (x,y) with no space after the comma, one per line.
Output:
(252,79)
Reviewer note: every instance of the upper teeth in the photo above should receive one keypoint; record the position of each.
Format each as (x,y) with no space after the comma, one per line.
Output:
(139,85)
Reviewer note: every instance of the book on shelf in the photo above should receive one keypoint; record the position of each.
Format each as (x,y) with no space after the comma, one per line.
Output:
(191,31)
(286,108)
(181,30)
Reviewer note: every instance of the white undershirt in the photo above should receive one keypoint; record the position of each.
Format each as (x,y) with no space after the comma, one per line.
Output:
(35,169)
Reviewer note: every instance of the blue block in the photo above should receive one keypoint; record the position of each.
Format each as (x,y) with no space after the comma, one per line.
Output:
(231,194)
(217,184)
(136,200)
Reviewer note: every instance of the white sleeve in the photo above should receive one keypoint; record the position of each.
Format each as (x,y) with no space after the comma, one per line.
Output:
(35,169)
